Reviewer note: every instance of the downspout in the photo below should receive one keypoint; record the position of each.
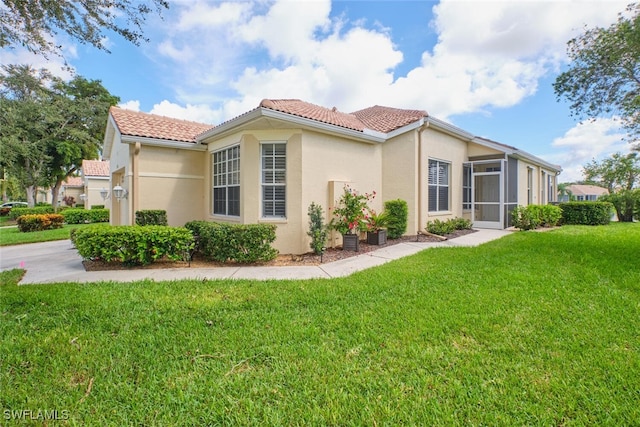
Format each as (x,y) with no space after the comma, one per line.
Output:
(419,227)
(135,184)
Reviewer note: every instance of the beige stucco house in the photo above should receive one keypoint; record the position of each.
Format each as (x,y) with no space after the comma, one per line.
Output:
(95,176)
(269,164)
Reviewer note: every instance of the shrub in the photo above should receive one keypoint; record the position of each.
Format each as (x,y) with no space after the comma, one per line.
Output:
(97,207)
(525,218)
(28,223)
(234,242)
(534,216)
(586,213)
(318,231)
(440,227)
(38,210)
(151,217)
(398,214)
(84,216)
(133,245)
(449,226)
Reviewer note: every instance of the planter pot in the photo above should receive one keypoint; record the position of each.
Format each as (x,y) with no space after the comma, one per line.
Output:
(350,242)
(377,237)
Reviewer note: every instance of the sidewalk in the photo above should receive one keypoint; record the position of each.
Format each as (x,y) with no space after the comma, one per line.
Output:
(54,262)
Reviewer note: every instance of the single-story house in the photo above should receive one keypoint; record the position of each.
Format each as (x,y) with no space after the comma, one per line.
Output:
(269,164)
(71,187)
(95,175)
(582,192)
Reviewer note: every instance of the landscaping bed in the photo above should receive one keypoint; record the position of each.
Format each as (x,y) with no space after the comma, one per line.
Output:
(331,255)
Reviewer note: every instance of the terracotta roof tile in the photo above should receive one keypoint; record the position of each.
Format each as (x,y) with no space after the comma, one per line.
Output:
(73,181)
(386,119)
(95,168)
(587,190)
(134,123)
(314,112)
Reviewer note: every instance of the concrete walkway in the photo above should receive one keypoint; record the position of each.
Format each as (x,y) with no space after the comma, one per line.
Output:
(54,262)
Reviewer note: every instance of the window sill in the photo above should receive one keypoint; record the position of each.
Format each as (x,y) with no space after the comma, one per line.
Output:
(273,221)
(440,213)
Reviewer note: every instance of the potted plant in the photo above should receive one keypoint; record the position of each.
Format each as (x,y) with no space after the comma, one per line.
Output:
(376,224)
(349,217)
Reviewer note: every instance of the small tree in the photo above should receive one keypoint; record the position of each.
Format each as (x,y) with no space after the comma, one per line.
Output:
(318,230)
(620,174)
(398,213)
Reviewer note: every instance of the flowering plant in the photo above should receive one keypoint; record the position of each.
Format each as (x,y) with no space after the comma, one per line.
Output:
(349,215)
(376,221)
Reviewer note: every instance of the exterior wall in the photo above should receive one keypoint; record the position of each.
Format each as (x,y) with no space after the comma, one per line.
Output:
(72,192)
(328,163)
(120,168)
(400,175)
(93,186)
(312,167)
(440,146)
(171,179)
(540,191)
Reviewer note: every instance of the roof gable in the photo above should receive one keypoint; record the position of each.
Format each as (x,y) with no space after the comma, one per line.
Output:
(387,119)
(134,123)
(95,168)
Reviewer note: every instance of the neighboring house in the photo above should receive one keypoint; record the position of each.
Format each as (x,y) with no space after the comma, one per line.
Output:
(95,175)
(269,164)
(73,186)
(581,193)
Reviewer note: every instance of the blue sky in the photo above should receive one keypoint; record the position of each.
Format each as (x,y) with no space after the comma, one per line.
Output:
(485,66)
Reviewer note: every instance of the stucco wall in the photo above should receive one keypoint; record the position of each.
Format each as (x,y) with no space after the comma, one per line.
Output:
(400,175)
(313,161)
(93,186)
(441,146)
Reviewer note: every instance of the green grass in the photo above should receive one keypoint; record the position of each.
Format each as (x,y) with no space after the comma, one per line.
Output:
(5,221)
(532,329)
(13,236)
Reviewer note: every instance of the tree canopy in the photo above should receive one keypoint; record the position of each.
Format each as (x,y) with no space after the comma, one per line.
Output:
(603,78)
(34,23)
(48,126)
(620,174)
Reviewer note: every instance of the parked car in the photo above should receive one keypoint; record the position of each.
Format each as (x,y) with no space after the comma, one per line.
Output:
(5,208)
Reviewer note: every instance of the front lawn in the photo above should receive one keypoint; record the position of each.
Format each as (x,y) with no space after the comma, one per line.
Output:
(532,329)
(13,236)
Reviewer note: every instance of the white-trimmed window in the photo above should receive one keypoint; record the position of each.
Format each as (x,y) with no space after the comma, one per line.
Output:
(274,175)
(226,181)
(466,187)
(439,173)
(529,186)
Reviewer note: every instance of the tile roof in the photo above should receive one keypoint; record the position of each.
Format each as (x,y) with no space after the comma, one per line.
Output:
(134,123)
(378,118)
(95,168)
(386,119)
(73,181)
(587,190)
(307,110)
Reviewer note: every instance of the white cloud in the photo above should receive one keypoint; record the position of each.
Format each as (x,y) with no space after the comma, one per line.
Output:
(199,113)
(488,54)
(132,105)
(587,141)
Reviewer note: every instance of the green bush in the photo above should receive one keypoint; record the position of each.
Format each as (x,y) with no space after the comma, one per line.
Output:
(318,230)
(534,216)
(586,213)
(398,213)
(39,210)
(234,242)
(133,245)
(449,226)
(97,207)
(84,216)
(151,217)
(36,222)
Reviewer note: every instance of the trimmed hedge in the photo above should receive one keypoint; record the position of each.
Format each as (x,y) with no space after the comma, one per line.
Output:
(449,226)
(534,216)
(28,223)
(398,213)
(85,216)
(38,210)
(133,245)
(586,213)
(97,207)
(151,217)
(234,242)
